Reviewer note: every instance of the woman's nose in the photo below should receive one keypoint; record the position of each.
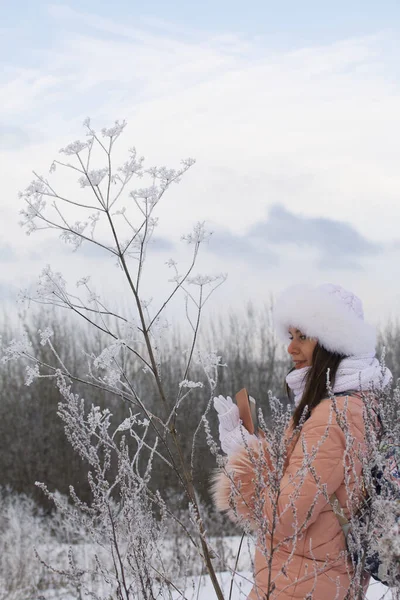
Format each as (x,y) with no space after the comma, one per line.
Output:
(292,348)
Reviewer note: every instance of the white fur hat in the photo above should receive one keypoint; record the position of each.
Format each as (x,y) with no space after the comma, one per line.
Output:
(329,313)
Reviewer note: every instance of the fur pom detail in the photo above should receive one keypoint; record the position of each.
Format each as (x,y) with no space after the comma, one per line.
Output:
(221,490)
(233,489)
(319,314)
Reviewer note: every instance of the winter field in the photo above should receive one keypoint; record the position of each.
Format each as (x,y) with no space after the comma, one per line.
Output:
(23,577)
(236,586)
(242,587)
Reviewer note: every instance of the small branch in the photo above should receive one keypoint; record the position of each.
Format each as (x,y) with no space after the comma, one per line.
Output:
(55,195)
(98,197)
(180,285)
(53,225)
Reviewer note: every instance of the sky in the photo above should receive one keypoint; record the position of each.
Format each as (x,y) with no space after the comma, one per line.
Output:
(290,110)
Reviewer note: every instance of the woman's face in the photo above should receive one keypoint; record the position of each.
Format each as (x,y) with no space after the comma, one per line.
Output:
(301,348)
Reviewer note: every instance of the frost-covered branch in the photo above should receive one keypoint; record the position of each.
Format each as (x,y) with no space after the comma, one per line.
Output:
(126,514)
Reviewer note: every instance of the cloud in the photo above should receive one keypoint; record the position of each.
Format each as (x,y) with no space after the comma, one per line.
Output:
(7,253)
(87,250)
(241,248)
(337,245)
(13,137)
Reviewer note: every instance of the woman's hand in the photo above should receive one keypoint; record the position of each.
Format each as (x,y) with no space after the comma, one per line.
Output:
(232,434)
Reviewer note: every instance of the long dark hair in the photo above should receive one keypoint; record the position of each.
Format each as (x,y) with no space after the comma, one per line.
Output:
(315,385)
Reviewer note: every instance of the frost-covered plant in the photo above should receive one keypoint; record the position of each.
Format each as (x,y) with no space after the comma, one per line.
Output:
(122,515)
(22,525)
(126,515)
(374,523)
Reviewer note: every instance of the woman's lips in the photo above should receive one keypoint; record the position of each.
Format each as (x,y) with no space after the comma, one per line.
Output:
(299,364)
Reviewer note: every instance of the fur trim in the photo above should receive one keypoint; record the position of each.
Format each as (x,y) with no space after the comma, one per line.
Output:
(220,490)
(234,494)
(231,497)
(321,315)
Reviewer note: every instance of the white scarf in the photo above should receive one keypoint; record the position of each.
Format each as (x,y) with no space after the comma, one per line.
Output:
(354,373)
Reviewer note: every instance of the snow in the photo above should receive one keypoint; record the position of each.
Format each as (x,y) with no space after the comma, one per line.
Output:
(200,588)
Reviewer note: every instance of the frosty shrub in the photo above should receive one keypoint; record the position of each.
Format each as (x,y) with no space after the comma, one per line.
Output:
(126,515)
(33,446)
(22,526)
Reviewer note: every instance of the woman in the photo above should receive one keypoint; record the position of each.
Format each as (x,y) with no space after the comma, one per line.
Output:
(325,329)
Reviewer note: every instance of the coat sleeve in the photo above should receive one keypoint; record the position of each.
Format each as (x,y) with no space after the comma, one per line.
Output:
(299,500)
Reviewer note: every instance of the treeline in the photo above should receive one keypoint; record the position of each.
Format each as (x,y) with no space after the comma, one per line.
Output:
(33,445)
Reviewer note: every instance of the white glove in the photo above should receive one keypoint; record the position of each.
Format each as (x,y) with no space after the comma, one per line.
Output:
(231,433)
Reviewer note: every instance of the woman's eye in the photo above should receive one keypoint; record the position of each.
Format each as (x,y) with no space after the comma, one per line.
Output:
(303,337)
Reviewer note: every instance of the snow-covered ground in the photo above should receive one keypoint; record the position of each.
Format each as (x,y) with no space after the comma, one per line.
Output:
(197,587)
(202,589)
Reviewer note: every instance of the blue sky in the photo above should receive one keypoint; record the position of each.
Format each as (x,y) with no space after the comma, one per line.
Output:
(28,27)
(306,21)
(290,108)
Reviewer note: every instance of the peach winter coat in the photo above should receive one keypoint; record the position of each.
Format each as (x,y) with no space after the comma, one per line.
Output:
(323,536)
